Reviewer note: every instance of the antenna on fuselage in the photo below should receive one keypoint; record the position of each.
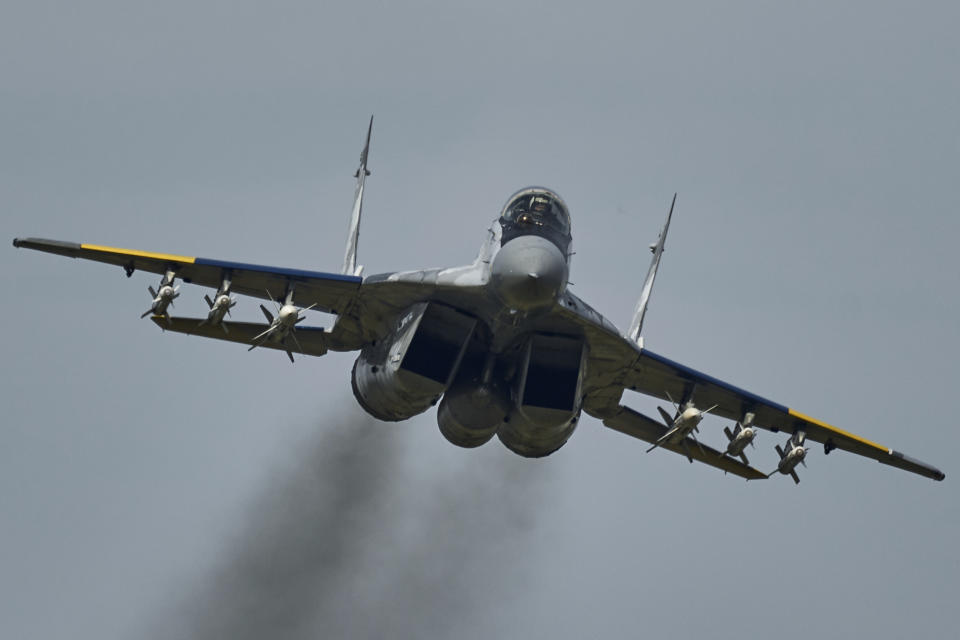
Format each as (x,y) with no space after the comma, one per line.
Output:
(636,326)
(350,267)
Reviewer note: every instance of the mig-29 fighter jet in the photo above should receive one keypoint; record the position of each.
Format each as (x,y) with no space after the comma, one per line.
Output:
(501,344)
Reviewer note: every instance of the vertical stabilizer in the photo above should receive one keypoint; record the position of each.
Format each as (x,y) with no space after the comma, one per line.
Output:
(350,257)
(636,325)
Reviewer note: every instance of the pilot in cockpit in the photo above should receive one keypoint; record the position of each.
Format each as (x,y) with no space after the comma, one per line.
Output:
(538,212)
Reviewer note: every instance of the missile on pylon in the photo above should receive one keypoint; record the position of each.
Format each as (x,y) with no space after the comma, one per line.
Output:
(742,435)
(220,306)
(283,325)
(793,454)
(683,424)
(163,297)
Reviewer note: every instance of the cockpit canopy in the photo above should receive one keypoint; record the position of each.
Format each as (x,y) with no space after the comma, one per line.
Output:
(536,211)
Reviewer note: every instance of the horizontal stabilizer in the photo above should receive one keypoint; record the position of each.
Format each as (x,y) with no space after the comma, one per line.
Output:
(634,423)
(311,341)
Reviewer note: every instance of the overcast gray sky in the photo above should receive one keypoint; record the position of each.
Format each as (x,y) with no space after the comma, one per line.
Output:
(162,486)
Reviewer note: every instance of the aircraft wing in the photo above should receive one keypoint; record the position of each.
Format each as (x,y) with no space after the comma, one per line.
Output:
(634,423)
(330,292)
(310,341)
(658,376)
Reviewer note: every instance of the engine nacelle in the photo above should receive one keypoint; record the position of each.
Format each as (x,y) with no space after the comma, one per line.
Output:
(547,395)
(406,373)
(471,412)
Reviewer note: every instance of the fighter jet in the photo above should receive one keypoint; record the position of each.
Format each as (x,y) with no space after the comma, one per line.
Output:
(502,344)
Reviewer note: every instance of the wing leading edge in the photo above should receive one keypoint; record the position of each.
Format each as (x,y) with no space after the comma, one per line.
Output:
(663,378)
(329,292)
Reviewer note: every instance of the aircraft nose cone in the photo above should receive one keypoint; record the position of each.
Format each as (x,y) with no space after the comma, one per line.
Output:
(528,272)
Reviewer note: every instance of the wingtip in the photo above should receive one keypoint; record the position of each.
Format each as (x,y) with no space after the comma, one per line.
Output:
(897,459)
(16,242)
(936,474)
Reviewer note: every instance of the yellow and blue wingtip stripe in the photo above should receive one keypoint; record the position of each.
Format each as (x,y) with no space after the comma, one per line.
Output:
(884,455)
(133,253)
(829,427)
(157,262)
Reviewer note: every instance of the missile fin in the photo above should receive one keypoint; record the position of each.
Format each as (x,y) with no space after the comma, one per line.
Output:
(666,416)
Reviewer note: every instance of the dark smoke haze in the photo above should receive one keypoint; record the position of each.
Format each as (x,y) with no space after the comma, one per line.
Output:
(346,543)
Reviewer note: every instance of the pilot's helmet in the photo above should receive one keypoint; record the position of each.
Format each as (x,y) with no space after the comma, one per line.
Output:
(540,204)
(535,210)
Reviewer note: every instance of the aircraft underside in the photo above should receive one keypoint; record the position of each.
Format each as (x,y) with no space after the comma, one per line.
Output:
(528,395)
